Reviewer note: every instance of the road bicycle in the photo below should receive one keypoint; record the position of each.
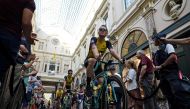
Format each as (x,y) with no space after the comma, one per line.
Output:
(104,94)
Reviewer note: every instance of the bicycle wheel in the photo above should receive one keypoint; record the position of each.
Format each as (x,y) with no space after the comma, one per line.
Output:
(16,101)
(104,104)
(86,103)
(67,102)
(5,95)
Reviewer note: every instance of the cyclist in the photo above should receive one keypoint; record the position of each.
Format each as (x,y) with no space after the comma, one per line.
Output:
(97,48)
(59,93)
(68,81)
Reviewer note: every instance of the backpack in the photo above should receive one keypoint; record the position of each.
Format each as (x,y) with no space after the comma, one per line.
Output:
(161,56)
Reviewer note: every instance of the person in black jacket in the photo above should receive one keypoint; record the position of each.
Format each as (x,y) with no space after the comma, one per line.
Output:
(171,86)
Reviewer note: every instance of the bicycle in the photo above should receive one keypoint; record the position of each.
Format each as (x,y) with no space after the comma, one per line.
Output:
(80,101)
(67,100)
(102,96)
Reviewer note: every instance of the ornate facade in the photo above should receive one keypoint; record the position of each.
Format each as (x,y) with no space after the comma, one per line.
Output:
(131,24)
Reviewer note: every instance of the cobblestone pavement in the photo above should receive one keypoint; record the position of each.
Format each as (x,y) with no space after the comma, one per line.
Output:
(163,104)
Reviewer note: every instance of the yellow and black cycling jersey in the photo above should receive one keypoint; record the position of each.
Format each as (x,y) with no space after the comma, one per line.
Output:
(59,93)
(101,46)
(69,80)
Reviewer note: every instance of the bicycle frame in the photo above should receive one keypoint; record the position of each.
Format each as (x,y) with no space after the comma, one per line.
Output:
(105,77)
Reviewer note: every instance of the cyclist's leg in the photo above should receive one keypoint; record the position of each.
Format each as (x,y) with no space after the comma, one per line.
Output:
(89,69)
(98,71)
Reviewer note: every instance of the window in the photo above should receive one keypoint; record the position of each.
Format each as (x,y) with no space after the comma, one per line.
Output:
(52,67)
(45,67)
(41,45)
(132,41)
(66,67)
(57,69)
(128,3)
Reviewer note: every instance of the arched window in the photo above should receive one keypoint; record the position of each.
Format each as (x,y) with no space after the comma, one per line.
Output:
(135,39)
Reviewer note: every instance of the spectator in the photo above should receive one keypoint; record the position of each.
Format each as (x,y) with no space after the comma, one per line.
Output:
(145,78)
(175,90)
(132,86)
(15,17)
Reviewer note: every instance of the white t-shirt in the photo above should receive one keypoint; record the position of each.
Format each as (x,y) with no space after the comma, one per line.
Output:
(169,48)
(132,76)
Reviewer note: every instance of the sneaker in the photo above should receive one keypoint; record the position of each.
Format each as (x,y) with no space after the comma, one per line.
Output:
(88,91)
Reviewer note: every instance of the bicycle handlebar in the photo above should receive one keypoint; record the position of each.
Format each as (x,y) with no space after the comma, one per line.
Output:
(107,62)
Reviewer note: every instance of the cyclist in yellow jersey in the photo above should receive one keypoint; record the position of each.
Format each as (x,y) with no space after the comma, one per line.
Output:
(68,81)
(59,93)
(98,47)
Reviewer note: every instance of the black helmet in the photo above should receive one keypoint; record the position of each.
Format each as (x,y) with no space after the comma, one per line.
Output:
(158,36)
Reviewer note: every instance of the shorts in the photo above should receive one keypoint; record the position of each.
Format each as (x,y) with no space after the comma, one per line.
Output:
(68,88)
(98,71)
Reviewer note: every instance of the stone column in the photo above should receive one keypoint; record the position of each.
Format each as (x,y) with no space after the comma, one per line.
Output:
(150,27)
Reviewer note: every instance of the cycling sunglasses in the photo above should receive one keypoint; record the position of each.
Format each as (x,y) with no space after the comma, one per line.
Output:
(102,29)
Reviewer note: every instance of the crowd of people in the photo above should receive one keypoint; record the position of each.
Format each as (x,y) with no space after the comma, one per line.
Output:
(25,61)
(16,38)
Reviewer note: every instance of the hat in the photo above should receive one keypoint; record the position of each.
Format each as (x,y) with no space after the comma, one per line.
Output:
(158,36)
(35,87)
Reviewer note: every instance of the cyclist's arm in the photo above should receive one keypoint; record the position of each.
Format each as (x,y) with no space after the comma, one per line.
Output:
(183,41)
(112,51)
(95,51)
(64,84)
(115,54)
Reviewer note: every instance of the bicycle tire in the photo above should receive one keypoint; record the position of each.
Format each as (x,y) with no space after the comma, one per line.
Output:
(5,95)
(104,104)
(16,101)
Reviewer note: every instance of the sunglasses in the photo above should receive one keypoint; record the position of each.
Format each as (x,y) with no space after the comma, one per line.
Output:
(102,29)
